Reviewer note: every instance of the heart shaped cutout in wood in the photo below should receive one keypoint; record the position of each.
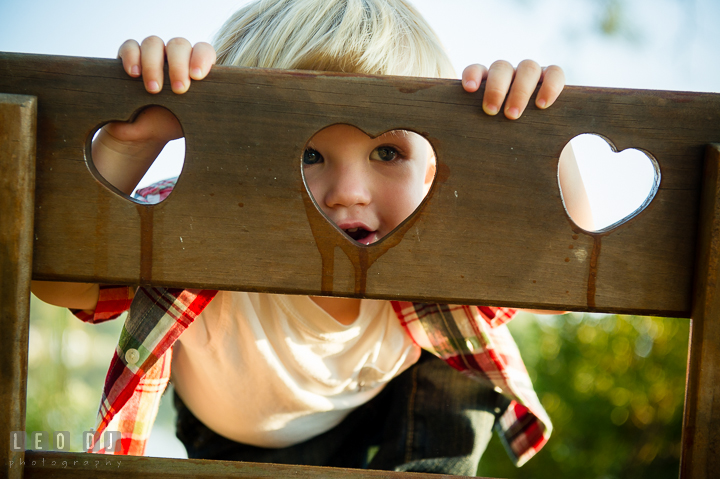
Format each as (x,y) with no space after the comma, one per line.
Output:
(366,190)
(617,185)
(134,181)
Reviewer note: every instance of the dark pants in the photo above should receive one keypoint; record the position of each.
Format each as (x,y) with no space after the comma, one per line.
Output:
(431,418)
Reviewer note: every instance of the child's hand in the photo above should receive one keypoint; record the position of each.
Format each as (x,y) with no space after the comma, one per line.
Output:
(122,152)
(502,75)
(185,62)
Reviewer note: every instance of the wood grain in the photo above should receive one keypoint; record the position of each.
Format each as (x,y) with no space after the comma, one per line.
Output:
(101,467)
(492,231)
(17,182)
(701,423)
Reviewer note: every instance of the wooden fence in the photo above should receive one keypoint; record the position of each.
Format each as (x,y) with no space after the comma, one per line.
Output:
(240,217)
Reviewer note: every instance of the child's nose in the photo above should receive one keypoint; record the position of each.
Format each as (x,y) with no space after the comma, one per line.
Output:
(348,187)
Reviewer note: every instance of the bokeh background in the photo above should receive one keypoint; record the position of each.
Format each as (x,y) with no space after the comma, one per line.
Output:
(613,385)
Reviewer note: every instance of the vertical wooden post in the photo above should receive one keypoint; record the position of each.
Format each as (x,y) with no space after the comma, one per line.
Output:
(18,115)
(701,424)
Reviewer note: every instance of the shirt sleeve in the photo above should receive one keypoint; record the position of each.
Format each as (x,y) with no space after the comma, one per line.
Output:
(495,317)
(112,302)
(156,192)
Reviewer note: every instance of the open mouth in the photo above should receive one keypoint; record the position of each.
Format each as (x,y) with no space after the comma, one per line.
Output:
(361,235)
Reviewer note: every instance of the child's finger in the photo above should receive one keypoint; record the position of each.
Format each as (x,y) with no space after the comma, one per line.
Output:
(202,59)
(526,79)
(499,77)
(129,53)
(472,77)
(178,52)
(553,82)
(152,59)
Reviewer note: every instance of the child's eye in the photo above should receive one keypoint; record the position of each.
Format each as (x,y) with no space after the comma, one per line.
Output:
(311,157)
(384,153)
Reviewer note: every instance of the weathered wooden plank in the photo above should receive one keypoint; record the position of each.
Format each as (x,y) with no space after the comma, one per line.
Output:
(701,425)
(17,182)
(492,231)
(73,465)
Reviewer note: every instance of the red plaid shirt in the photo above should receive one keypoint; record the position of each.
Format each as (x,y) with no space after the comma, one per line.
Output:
(473,340)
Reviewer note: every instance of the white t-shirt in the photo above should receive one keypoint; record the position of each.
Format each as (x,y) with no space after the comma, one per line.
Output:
(276,370)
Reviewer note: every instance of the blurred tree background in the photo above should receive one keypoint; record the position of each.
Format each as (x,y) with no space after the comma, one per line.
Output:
(614,388)
(67,363)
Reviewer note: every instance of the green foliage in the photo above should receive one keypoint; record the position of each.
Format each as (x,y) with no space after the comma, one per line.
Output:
(614,388)
(67,362)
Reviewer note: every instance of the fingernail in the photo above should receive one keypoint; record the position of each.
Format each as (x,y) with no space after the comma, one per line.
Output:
(178,86)
(196,72)
(135,70)
(471,84)
(513,112)
(153,86)
(541,103)
(491,109)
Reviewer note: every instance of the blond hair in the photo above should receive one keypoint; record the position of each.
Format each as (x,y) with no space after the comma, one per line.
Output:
(381,37)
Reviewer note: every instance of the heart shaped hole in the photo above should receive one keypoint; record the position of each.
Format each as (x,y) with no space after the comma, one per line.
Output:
(367,186)
(144,183)
(613,186)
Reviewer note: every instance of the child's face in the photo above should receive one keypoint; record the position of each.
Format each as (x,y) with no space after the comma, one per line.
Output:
(368,186)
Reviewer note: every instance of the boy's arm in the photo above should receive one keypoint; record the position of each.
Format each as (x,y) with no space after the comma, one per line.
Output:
(123,151)
(573,190)
(67,295)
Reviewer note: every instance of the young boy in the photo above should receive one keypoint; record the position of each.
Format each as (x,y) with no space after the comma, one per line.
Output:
(316,380)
